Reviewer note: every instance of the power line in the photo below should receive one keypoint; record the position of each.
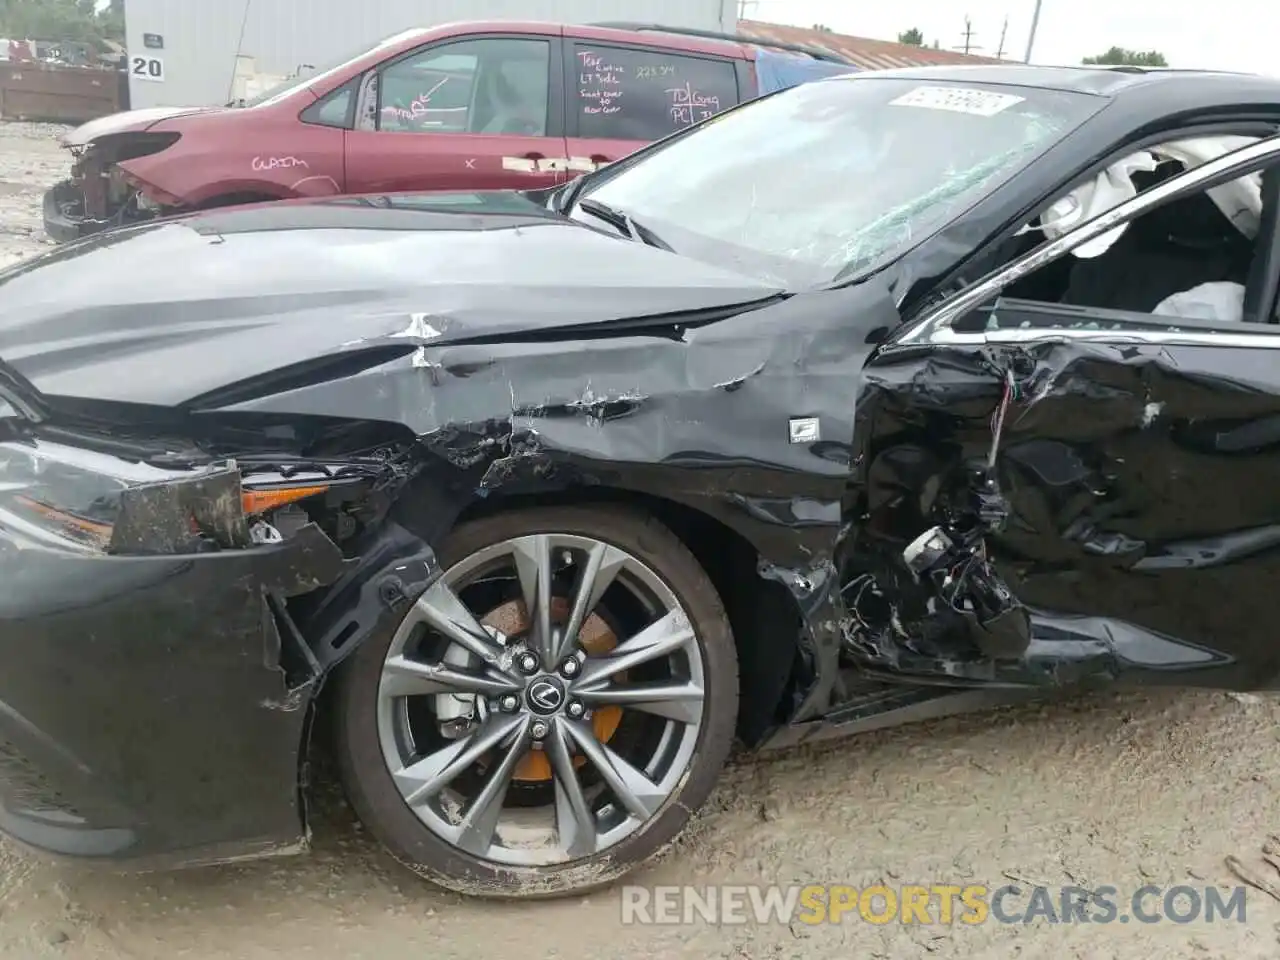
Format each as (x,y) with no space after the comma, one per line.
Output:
(968,46)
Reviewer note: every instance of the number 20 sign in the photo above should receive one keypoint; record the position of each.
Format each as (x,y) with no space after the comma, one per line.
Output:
(147,68)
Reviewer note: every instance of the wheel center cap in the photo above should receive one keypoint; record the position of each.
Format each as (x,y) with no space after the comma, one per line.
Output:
(546,695)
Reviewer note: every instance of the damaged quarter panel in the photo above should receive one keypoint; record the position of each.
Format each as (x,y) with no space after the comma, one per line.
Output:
(1142,533)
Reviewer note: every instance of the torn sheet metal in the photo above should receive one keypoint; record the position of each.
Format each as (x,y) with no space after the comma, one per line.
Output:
(208,646)
(1106,467)
(698,414)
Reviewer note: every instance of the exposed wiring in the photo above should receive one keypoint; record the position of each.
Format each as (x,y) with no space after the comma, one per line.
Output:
(1008,394)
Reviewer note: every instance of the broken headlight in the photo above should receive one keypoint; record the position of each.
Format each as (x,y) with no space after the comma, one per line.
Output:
(70,498)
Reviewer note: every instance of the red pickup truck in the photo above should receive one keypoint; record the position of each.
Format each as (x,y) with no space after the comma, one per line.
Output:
(465,106)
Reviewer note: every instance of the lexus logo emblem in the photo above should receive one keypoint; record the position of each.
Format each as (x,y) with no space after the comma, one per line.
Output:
(545,696)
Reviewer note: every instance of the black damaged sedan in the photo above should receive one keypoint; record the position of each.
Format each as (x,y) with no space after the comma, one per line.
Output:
(879,398)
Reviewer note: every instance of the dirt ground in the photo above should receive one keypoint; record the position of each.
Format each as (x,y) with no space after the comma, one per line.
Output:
(30,161)
(1116,789)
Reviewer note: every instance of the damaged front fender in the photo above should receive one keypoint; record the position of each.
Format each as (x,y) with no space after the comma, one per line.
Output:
(746,418)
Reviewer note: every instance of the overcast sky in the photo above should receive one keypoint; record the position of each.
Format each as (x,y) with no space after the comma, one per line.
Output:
(1223,34)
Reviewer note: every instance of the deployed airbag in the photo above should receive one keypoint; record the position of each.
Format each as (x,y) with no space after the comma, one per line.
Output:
(1221,300)
(1240,200)
(1110,188)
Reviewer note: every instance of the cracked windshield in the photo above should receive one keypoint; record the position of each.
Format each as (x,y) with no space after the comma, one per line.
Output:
(866,169)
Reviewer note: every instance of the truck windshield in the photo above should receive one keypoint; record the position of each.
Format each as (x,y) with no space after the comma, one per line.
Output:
(834,178)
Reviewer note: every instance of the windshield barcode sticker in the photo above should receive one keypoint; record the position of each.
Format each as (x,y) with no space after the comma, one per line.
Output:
(983,103)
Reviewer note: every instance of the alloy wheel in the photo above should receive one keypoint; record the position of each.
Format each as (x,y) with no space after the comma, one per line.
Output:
(494,727)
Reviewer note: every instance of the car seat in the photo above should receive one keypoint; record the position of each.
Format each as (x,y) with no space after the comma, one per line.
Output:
(1168,250)
(513,112)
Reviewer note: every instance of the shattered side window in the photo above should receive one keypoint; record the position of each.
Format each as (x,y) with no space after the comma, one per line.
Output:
(833,178)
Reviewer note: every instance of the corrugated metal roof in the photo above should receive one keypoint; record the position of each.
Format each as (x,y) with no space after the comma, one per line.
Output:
(865,53)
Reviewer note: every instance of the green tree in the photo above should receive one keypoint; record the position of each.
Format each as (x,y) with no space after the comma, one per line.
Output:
(66,20)
(1120,56)
(111,21)
(821,28)
(912,37)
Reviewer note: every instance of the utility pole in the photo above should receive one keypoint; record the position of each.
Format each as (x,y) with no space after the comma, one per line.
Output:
(968,45)
(743,5)
(1003,31)
(1031,37)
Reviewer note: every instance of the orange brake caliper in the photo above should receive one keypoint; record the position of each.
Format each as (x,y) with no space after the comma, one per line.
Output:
(596,638)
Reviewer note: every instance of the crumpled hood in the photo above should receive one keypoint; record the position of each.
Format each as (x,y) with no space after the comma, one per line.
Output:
(166,312)
(126,121)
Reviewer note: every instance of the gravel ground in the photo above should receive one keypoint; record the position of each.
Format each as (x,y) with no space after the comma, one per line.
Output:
(1120,790)
(30,162)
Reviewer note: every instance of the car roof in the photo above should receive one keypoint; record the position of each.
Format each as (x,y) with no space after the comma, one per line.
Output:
(403,41)
(741,45)
(669,38)
(686,40)
(1105,81)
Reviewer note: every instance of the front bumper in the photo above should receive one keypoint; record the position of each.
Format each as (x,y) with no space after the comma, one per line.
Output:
(61,222)
(144,714)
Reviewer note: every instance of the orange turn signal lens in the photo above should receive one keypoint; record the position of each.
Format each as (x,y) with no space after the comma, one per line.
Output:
(94,530)
(260,501)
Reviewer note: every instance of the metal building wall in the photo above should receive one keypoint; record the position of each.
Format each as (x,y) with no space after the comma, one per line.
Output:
(201,37)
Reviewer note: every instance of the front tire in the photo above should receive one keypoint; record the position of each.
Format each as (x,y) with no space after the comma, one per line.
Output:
(550,712)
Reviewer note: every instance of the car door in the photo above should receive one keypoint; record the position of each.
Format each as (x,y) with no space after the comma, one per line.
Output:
(476,113)
(623,96)
(1136,454)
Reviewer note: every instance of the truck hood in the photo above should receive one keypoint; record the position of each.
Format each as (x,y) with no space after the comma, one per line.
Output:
(165,312)
(127,121)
